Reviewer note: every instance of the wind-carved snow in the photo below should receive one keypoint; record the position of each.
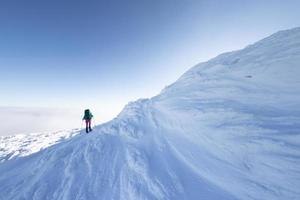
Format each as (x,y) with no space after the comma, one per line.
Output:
(24,145)
(227,129)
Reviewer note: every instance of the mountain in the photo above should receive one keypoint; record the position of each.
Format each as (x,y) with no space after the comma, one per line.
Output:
(228,128)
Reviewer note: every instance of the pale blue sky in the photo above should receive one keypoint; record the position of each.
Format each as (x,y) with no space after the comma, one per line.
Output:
(102,54)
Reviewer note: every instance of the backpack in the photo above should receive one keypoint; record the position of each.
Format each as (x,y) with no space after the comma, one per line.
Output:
(87,114)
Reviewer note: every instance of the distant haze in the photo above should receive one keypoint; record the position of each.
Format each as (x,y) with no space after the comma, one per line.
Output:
(18,120)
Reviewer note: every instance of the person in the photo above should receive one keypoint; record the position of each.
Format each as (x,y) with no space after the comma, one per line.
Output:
(88,118)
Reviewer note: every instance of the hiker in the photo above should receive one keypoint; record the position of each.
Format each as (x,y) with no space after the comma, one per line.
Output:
(87,117)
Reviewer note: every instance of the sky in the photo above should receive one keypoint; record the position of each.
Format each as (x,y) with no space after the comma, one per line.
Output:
(77,54)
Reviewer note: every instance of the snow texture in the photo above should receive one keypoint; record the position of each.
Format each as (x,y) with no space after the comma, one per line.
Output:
(26,144)
(228,129)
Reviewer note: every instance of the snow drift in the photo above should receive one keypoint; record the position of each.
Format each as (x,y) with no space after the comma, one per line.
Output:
(229,128)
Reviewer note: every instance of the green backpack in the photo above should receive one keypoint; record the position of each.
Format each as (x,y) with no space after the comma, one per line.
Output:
(87,114)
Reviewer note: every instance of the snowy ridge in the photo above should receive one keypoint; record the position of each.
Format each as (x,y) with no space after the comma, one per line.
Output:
(227,129)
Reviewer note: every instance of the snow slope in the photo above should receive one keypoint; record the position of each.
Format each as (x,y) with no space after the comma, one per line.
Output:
(229,128)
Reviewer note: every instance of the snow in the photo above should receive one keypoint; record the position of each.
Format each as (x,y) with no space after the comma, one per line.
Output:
(228,128)
(25,144)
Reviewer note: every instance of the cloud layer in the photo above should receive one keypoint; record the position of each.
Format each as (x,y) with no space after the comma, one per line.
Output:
(19,120)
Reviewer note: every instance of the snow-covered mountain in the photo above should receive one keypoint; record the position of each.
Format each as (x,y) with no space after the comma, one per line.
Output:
(229,128)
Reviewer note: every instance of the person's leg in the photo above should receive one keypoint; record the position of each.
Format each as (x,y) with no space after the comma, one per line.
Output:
(90,125)
(86,126)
